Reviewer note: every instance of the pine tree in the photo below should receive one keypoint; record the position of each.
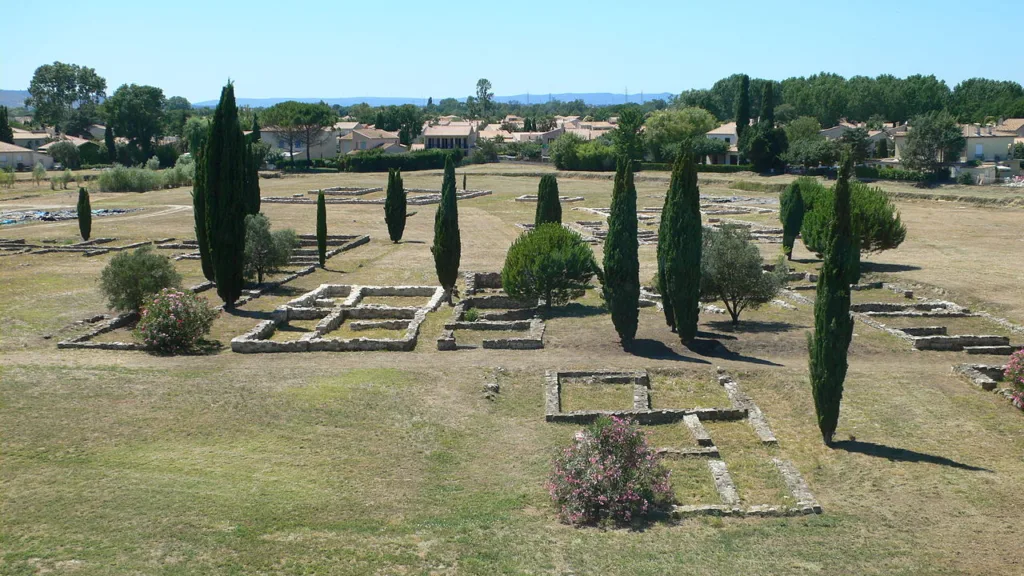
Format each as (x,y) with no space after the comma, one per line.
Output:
(743,107)
(6,134)
(621,282)
(108,139)
(199,203)
(791,214)
(549,207)
(679,249)
(321,228)
(224,158)
(395,205)
(447,248)
(84,213)
(833,325)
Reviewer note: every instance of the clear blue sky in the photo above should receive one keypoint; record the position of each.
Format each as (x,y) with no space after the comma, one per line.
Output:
(323,48)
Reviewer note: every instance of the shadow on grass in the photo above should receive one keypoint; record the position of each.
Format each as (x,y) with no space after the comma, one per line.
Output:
(258,314)
(657,350)
(412,242)
(901,454)
(712,348)
(885,267)
(752,327)
(573,310)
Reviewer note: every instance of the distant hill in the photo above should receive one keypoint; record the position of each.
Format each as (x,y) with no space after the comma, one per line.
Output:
(592,98)
(13,98)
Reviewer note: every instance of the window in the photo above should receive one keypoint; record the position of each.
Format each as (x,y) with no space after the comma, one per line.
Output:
(17,158)
(727,140)
(979,151)
(362,145)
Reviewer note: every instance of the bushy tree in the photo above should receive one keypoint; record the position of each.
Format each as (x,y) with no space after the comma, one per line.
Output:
(628,136)
(321,228)
(266,252)
(65,153)
(395,209)
(875,222)
(833,325)
(763,144)
(791,214)
(933,141)
(136,113)
(38,173)
(549,262)
(856,139)
(57,90)
(621,282)
(679,250)
(447,247)
(665,129)
(224,159)
(84,210)
(564,153)
(732,271)
(132,276)
(812,152)
(549,206)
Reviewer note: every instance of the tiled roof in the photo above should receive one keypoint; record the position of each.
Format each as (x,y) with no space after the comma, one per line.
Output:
(5,147)
(451,130)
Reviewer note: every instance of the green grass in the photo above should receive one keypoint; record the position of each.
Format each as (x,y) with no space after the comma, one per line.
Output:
(580,395)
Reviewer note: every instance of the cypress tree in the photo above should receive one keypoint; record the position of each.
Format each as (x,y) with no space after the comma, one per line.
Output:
(767,108)
(108,139)
(6,134)
(199,214)
(833,325)
(224,159)
(621,282)
(447,248)
(252,179)
(255,136)
(394,205)
(549,207)
(321,228)
(464,182)
(679,249)
(743,107)
(791,214)
(84,213)
(882,148)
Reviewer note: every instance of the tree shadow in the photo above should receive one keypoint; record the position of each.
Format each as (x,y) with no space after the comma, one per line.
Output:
(712,348)
(901,454)
(886,267)
(657,350)
(752,327)
(574,310)
(412,242)
(258,314)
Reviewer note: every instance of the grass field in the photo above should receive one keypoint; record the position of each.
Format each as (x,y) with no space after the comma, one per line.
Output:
(396,463)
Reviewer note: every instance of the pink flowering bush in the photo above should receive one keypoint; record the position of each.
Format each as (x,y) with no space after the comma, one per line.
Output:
(609,475)
(173,321)
(1014,376)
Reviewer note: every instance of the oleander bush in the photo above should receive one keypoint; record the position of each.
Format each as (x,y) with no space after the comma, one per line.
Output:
(1014,376)
(608,475)
(173,321)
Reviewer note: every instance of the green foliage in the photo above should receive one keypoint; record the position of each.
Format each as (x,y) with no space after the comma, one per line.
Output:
(628,137)
(679,250)
(803,128)
(60,92)
(66,153)
(563,151)
(406,119)
(321,228)
(471,315)
(253,158)
(378,161)
(153,163)
(110,142)
(665,129)
(447,247)
(6,134)
(84,210)
(173,321)
(933,141)
(833,325)
(764,146)
(123,179)
(570,152)
(224,169)
(743,107)
(136,113)
(791,213)
(131,277)
(887,173)
(395,209)
(199,203)
(7,178)
(732,271)
(549,262)
(812,152)
(266,252)
(38,173)
(1018,150)
(856,140)
(882,148)
(549,206)
(875,222)
(621,282)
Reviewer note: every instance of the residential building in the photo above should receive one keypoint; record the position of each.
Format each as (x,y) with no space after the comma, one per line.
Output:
(89,151)
(543,138)
(837,132)
(96,131)
(30,140)
(450,137)
(1015,125)
(345,126)
(20,158)
(727,133)
(361,139)
(325,146)
(984,143)
(493,131)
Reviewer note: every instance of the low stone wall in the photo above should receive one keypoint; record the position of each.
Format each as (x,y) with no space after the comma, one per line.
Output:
(958,342)
(477,281)
(119,321)
(345,191)
(924,331)
(984,376)
(533,198)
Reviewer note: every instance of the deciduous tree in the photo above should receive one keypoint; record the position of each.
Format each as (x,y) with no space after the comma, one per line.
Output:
(57,89)
(136,113)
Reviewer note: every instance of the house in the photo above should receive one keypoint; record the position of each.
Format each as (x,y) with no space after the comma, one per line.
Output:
(450,137)
(726,132)
(567,121)
(20,158)
(30,140)
(984,143)
(345,126)
(543,138)
(1015,125)
(361,139)
(88,151)
(514,121)
(325,146)
(96,131)
(837,132)
(492,132)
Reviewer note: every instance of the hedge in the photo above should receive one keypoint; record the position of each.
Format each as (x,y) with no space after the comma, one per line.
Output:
(715,168)
(378,161)
(889,174)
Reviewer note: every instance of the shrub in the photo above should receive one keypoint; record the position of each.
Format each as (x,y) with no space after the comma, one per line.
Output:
(1014,375)
(471,315)
(378,161)
(173,321)
(265,251)
(131,277)
(38,173)
(876,223)
(732,271)
(549,262)
(965,179)
(123,179)
(609,475)
(66,153)
(886,173)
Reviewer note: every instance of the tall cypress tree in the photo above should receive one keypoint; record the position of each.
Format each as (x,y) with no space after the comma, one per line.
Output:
(464,182)
(84,213)
(791,214)
(743,107)
(882,148)
(447,248)
(6,134)
(395,205)
(252,178)
(321,228)
(833,325)
(255,135)
(549,207)
(767,104)
(679,249)
(224,158)
(108,139)
(621,282)
(199,214)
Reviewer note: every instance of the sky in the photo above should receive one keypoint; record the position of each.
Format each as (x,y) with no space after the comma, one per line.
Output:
(399,48)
